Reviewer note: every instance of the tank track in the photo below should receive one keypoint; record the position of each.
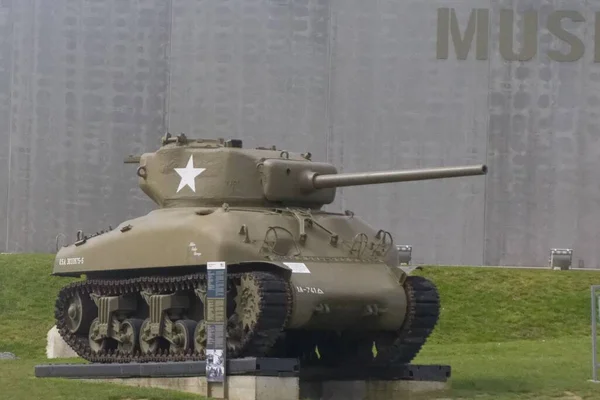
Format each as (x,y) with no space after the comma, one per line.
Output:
(351,347)
(422,317)
(274,292)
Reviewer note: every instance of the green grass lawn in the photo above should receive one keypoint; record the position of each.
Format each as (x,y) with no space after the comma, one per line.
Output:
(508,334)
(492,304)
(17,382)
(524,369)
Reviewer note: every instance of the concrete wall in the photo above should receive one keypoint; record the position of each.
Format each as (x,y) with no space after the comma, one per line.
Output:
(365,85)
(84,83)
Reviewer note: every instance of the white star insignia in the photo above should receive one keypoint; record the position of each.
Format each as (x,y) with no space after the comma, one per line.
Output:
(188,175)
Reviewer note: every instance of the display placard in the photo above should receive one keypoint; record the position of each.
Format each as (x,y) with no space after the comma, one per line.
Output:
(216,321)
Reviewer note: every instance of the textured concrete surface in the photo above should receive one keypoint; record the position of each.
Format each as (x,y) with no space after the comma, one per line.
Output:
(7,356)
(372,390)
(395,106)
(236,388)
(274,388)
(87,86)
(543,147)
(84,84)
(56,347)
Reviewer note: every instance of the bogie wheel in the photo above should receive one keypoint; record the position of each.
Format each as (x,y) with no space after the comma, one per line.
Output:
(183,337)
(130,334)
(98,346)
(148,345)
(80,313)
(200,337)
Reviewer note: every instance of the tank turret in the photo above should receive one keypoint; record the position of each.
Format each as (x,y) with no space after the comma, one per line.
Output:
(208,172)
(298,277)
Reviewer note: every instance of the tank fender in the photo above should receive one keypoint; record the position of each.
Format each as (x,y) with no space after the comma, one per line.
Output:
(265,266)
(400,274)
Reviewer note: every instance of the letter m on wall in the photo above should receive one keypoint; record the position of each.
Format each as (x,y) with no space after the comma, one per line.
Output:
(477,28)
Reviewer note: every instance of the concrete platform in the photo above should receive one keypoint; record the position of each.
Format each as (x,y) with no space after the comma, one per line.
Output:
(293,388)
(236,387)
(268,379)
(372,390)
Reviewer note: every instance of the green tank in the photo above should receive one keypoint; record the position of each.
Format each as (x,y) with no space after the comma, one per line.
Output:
(300,279)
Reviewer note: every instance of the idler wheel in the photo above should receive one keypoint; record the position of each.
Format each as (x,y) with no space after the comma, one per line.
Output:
(130,334)
(183,336)
(80,312)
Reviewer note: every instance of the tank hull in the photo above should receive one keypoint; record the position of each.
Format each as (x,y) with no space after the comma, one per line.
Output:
(307,270)
(180,239)
(192,236)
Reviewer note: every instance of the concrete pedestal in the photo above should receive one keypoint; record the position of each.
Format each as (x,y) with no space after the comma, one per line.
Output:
(371,390)
(237,387)
(267,379)
(56,347)
(292,388)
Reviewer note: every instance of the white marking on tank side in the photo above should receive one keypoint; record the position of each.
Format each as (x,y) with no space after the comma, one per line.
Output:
(216,265)
(194,249)
(71,261)
(298,268)
(188,175)
(309,289)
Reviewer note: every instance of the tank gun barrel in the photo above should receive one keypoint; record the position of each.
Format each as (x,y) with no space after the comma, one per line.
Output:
(315,181)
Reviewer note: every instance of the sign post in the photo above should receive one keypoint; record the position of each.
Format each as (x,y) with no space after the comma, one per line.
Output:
(215,317)
(595,318)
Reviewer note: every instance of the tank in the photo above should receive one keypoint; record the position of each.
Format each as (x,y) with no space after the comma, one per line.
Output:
(320,286)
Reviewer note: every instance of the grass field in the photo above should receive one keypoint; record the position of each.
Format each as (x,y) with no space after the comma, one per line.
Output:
(508,334)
